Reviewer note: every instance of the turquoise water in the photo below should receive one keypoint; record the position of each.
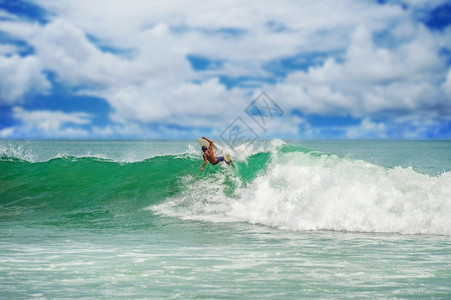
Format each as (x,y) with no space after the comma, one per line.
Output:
(291,219)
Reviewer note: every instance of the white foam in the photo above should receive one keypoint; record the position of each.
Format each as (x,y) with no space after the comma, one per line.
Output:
(303,192)
(20,151)
(202,200)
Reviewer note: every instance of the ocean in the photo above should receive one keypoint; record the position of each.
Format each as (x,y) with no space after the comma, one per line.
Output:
(291,219)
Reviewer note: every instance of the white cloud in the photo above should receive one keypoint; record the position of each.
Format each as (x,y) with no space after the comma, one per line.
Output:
(184,103)
(19,76)
(7,132)
(371,80)
(50,123)
(367,129)
(7,16)
(65,50)
(8,49)
(46,119)
(19,29)
(149,80)
(408,127)
(185,27)
(285,126)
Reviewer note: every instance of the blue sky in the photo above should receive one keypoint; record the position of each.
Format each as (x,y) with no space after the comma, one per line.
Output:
(183,69)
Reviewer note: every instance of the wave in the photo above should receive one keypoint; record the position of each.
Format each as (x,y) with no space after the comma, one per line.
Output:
(87,191)
(295,188)
(117,151)
(280,185)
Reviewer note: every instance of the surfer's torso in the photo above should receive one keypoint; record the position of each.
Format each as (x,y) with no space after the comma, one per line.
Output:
(210,156)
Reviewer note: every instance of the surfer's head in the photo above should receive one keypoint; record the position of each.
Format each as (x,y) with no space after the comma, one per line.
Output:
(204,148)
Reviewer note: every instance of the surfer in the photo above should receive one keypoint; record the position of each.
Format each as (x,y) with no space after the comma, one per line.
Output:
(210,155)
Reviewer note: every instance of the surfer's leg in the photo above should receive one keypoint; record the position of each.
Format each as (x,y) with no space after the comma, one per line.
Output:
(220,158)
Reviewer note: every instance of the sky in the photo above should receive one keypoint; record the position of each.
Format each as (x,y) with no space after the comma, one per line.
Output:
(102,69)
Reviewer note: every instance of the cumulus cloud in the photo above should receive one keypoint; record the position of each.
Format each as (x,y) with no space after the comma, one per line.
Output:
(376,61)
(233,31)
(65,49)
(19,76)
(7,132)
(8,49)
(367,129)
(51,123)
(189,104)
(372,80)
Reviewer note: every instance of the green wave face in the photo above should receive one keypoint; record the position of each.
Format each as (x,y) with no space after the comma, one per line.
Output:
(91,189)
(87,189)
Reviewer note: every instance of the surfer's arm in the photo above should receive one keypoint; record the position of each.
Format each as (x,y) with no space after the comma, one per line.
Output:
(205,162)
(210,141)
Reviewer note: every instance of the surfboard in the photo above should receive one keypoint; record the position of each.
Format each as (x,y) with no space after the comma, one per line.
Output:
(205,143)
(228,159)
